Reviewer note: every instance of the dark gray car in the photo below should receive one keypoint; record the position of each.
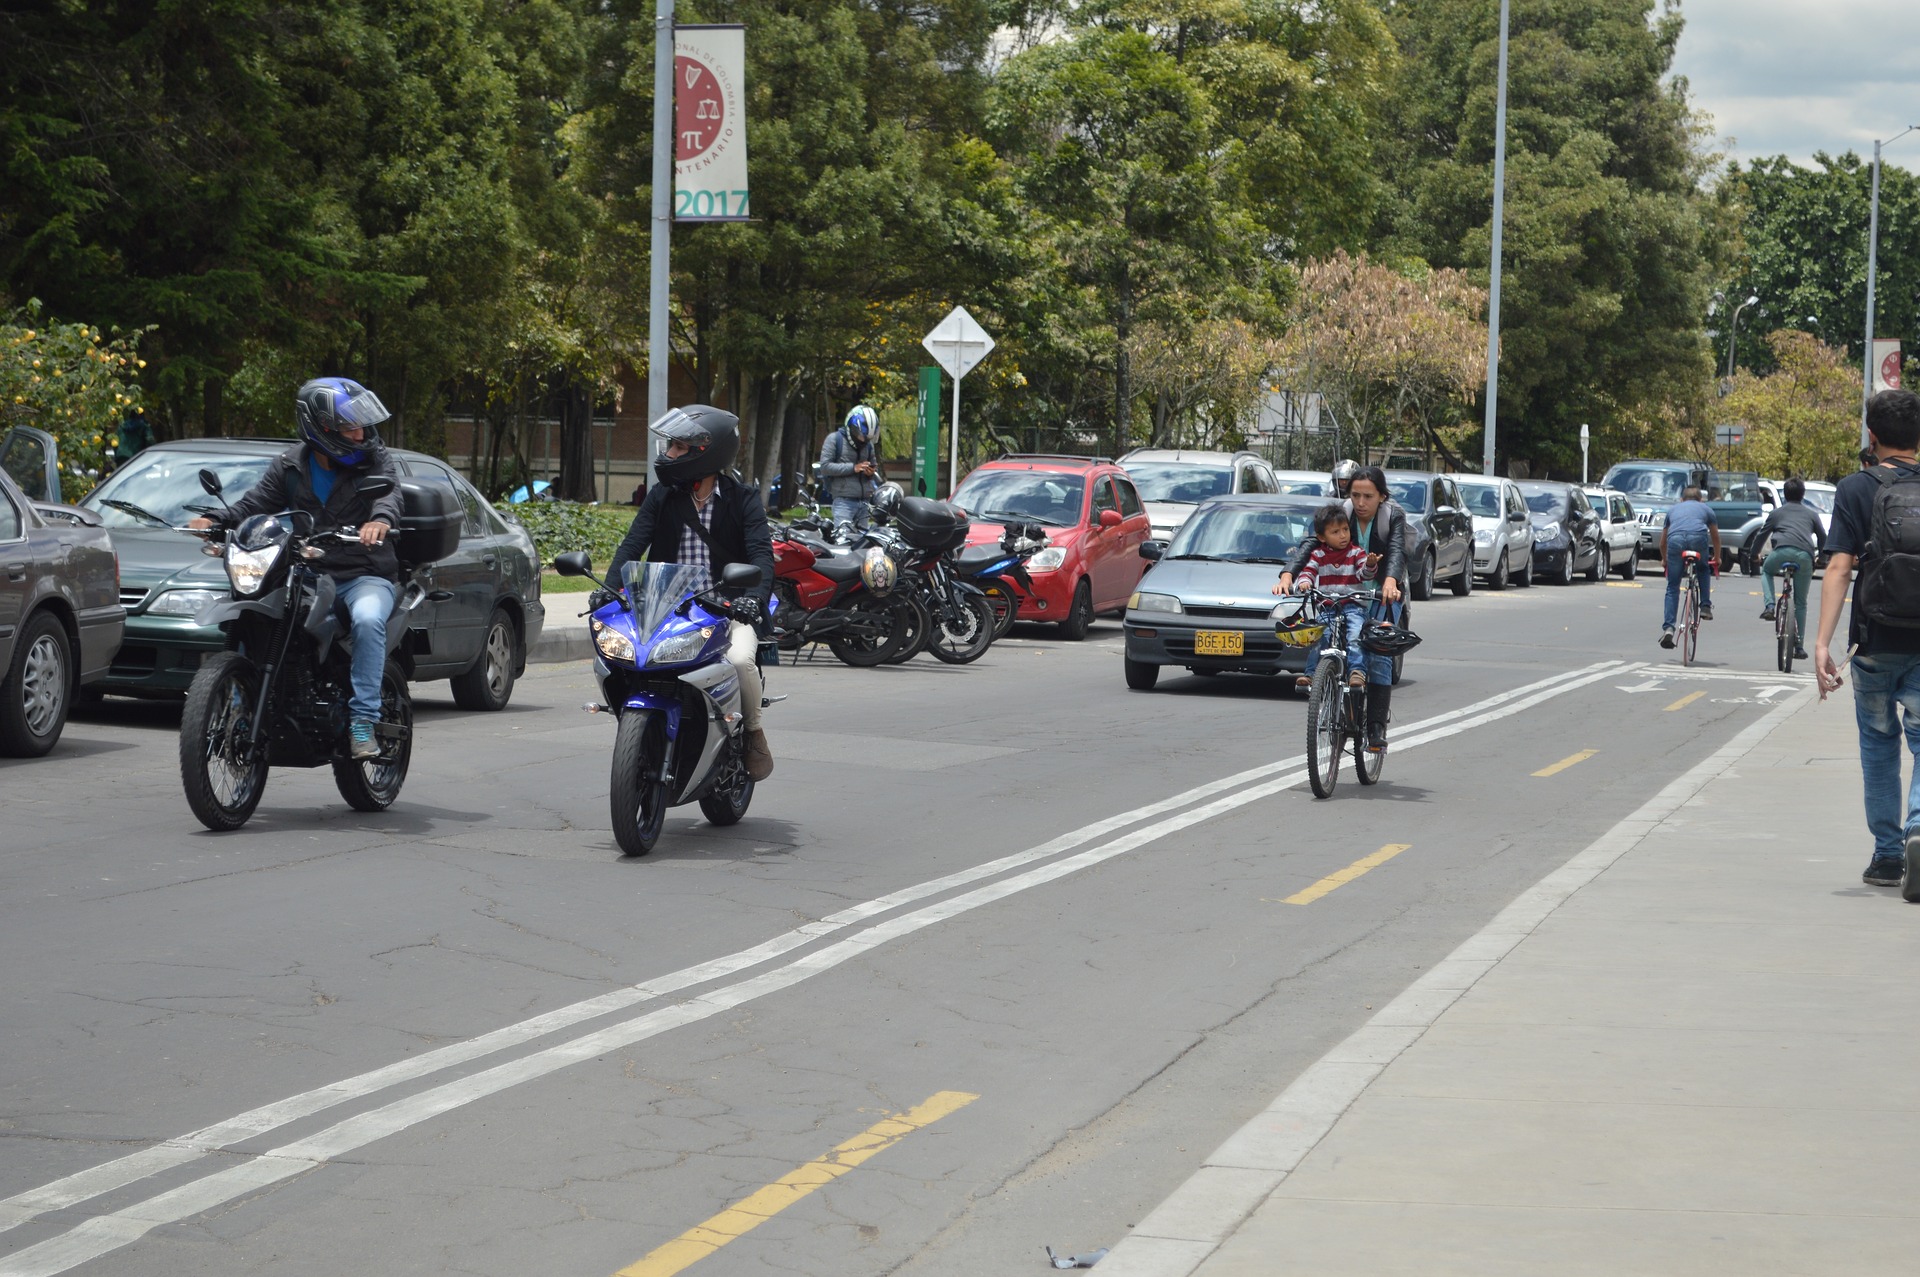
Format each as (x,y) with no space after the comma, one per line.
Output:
(1439,532)
(479,637)
(60,620)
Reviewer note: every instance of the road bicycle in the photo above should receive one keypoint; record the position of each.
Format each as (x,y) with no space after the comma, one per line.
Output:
(1336,712)
(1786,628)
(1687,624)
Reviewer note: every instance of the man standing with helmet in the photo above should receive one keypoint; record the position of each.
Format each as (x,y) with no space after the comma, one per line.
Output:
(848,465)
(701,516)
(340,444)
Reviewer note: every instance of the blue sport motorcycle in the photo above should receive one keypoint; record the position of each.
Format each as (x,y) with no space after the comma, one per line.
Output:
(660,655)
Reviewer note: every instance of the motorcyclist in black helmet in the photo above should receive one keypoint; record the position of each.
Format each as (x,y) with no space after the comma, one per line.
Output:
(700,515)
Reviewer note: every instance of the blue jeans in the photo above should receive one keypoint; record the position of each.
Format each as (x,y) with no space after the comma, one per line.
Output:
(1886,703)
(1675,547)
(1379,668)
(1801,565)
(850,510)
(365,602)
(1343,627)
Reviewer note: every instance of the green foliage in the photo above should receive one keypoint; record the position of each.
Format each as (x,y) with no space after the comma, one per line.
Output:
(71,380)
(559,526)
(1803,417)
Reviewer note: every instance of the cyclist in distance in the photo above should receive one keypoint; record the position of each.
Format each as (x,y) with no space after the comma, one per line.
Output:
(1690,525)
(1797,536)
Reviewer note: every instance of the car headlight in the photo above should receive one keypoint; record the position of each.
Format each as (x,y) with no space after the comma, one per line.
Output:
(1547,532)
(681,647)
(613,645)
(248,569)
(1142,602)
(184,602)
(1050,559)
(1483,536)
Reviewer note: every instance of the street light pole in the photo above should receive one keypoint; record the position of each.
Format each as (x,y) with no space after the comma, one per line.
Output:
(1499,224)
(660,242)
(1873,253)
(1733,334)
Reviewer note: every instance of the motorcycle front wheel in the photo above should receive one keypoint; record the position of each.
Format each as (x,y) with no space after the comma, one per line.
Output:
(965,640)
(887,623)
(1005,604)
(636,795)
(920,632)
(371,784)
(222,777)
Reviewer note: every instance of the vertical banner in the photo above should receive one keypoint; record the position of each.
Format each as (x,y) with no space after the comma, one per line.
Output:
(1886,364)
(709,124)
(926,436)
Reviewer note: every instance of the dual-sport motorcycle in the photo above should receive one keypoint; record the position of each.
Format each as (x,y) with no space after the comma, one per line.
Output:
(660,656)
(278,695)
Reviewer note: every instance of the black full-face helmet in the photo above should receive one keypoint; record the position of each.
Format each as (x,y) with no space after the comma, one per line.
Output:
(712,436)
(326,406)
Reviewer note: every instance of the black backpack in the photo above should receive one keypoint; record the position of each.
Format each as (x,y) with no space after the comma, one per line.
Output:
(1889,587)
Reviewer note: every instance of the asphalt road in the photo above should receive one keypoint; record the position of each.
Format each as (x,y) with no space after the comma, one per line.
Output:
(312,1046)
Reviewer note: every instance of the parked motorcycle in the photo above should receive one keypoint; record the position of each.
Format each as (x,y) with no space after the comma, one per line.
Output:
(825,598)
(1000,571)
(277,696)
(661,661)
(925,534)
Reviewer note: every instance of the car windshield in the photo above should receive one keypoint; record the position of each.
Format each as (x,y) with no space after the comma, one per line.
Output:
(1483,499)
(1550,503)
(1410,493)
(998,496)
(1654,485)
(1247,534)
(162,484)
(1295,486)
(1181,482)
(1736,487)
(1820,500)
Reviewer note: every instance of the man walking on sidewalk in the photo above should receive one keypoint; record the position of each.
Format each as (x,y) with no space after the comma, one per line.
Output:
(1886,656)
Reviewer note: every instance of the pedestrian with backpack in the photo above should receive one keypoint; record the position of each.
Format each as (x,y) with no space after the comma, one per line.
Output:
(1876,525)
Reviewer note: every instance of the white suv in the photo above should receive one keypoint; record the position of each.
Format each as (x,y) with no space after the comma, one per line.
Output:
(1502,529)
(1173,481)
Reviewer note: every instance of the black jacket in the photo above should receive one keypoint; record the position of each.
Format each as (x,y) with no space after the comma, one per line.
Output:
(287,486)
(739,532)
(1387,538)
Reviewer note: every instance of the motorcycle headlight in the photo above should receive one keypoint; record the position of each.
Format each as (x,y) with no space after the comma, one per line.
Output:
(1144,602)
(613,645)
(248,569)
(679,648)
(183,602)
(1050,559)
(1547,532)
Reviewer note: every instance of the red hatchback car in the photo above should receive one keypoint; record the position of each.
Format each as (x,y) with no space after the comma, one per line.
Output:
(1095,526)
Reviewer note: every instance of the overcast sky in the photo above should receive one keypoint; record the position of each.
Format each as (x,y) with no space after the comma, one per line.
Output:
(1797,76)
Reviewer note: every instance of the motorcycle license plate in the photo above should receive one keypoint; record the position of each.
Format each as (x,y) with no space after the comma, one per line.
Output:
(1219,643)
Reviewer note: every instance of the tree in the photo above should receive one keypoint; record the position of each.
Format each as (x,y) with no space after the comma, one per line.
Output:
(71,380)
(1804,417)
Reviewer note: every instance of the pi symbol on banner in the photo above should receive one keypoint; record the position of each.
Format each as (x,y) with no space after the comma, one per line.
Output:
(696,115)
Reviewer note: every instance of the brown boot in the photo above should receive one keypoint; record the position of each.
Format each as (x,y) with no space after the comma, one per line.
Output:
(759,757)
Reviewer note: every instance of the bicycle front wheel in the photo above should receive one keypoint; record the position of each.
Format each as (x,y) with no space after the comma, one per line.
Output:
(1689,622)
(1326,728)
(1786,630)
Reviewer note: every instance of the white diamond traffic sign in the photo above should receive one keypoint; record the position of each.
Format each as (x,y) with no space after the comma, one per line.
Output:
(957,343)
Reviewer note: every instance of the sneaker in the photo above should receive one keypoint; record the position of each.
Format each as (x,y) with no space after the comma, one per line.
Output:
(1885,871)
(364,745)
(1666,637)
(1800,653)
(1302,683)
(1706,614)
(1357,679)
(1766,613)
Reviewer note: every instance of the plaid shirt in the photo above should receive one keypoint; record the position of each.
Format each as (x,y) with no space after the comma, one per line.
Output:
(694,552)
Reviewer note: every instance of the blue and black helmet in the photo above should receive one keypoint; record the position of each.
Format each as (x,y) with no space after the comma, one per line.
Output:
(862,422)
(326,406)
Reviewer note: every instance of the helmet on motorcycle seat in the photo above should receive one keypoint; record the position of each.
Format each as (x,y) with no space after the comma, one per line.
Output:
(1384,638)
(862,422)
(326,406)
(887,498)
(1295,625)
(712,437)
(1345,471)
(878,572)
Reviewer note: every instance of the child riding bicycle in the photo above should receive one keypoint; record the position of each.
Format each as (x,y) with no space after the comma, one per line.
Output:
(1336,563)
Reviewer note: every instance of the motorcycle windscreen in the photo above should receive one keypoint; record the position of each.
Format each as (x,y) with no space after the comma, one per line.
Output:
(654,590)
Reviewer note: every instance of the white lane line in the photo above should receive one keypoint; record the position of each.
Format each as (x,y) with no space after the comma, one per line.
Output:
(1178,1235)
(294,1158)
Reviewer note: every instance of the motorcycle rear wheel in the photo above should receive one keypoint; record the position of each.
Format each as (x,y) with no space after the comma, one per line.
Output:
(371,784)
(636,795)
(223,786)
(865,651)
(726,803)
(1006,607)
(969,641)
(920,635)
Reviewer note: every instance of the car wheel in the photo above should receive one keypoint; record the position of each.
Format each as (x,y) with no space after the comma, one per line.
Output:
(1141,675)
(37,690)
(1524,577)
(1079,613)
(1423,584)
(1633,567)
(1463,581)
(1498,581)
(1601,553)
(489,684)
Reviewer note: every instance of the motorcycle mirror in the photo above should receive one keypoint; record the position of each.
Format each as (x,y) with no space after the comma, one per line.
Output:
(742,576)
(576,563)
(210,484)
(373,486)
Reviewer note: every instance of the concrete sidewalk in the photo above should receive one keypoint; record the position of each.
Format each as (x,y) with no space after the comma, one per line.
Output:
(1691,1050)
(564,636)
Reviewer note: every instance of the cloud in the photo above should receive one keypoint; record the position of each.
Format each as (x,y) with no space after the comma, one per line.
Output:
(1797,76)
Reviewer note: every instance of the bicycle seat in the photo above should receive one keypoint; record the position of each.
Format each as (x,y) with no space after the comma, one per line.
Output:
(1689,556)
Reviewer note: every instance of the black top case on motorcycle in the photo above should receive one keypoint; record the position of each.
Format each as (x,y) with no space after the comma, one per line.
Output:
(931,525)
(430,521)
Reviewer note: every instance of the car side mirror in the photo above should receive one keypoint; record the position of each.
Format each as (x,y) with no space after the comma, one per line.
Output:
(210,483)
(1516,517)
(1109,518)
(575,563)
(1153,550)
(741,576)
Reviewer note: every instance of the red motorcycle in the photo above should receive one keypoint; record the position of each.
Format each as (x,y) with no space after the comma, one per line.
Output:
(826,596)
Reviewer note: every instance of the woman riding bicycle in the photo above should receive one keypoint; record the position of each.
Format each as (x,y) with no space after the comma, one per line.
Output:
(1379,527)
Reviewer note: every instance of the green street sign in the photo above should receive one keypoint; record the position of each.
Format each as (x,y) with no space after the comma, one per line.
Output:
(926,437)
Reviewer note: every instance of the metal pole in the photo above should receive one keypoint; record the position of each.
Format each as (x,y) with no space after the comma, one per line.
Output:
(1873,249)
(1499,220)
(660,245)
(953,474)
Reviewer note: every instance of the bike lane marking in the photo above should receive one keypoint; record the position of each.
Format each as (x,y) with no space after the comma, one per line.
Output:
(1570,760)
(757,1208)
(1334,881)
(102,1234)
(1683,702)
